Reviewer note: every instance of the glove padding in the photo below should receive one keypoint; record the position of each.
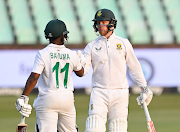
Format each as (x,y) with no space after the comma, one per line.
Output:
(145,96)
(22,107)
(82,58)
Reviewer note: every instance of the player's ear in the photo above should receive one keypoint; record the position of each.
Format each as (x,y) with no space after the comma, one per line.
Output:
(62,39)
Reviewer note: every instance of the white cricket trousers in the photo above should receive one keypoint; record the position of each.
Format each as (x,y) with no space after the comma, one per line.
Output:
(113,102)
(56,110)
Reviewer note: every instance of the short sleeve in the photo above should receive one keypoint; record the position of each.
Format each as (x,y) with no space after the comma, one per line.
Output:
(38,64)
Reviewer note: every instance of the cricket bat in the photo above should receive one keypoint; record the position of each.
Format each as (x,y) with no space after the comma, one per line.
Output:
(150,124)
(22,127)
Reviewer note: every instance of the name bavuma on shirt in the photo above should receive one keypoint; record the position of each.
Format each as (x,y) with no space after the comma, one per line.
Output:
(59,56)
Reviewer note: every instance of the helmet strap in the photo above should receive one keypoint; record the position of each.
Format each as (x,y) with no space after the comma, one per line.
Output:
(97,33)
(107,32)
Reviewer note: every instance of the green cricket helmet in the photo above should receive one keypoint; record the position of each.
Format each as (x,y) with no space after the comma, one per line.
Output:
(104,15)
(55,28)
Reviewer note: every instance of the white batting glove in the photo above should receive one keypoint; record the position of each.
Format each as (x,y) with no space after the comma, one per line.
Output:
(22,107)
(82,58)
(145,96)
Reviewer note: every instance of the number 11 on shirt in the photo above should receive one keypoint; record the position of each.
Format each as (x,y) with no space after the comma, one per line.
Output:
(64,69)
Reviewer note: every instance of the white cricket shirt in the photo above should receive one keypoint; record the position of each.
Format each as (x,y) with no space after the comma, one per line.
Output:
(55,63)
(109,59)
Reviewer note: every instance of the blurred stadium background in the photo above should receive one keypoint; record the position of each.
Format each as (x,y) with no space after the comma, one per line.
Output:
(144,22)
(152,26)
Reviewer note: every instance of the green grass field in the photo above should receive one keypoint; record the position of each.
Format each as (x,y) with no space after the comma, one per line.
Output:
(164,110)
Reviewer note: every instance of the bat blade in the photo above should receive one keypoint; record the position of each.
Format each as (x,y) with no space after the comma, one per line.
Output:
(21,128)
(150,126)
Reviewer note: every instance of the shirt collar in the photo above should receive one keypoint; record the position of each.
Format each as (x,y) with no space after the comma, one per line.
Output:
(56,46)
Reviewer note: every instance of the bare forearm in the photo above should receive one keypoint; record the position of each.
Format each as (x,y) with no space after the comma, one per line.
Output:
(30,84)
(80,73)
(29,87)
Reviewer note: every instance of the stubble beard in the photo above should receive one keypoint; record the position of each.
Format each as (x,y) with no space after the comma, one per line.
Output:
(103,32)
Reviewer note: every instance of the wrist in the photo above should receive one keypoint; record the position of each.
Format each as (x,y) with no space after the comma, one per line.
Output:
(24,97)
(144,89)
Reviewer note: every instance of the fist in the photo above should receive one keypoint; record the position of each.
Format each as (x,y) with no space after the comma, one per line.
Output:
(22,107)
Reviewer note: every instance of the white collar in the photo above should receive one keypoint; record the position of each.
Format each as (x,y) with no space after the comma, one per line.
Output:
(56,46)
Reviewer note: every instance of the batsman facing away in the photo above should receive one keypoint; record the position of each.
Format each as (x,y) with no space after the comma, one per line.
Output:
(52,68)
(109,55)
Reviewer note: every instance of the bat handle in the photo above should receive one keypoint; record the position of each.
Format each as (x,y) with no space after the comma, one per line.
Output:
(148,118)
(22,120)
(23,117)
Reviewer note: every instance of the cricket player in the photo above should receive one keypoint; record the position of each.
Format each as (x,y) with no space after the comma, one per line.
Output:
(52,69)
(109,55)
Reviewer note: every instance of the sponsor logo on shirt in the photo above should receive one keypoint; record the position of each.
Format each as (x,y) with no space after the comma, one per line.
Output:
(91,106)
(118,47)
(98,49)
